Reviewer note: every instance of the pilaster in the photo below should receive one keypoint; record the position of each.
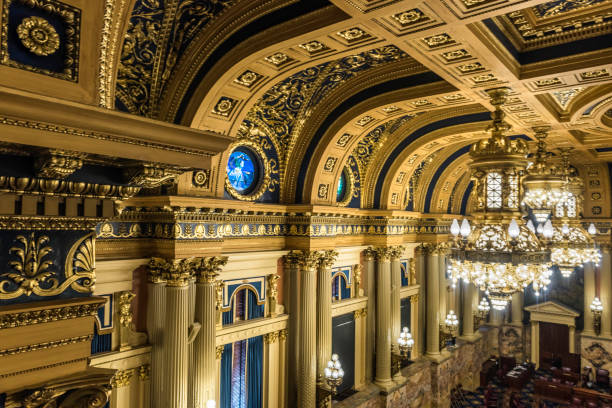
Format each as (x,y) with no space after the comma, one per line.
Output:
(383,318)
(156,309)
(324,312)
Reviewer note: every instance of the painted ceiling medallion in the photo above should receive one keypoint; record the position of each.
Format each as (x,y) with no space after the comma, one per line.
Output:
(225,106)
(456,55)
(38,36)
(278,59)
(247,78)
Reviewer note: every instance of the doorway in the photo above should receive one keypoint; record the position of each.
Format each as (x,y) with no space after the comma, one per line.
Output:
(554,338)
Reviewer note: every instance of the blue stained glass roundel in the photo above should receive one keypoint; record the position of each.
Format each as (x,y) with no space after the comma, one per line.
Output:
(242,170)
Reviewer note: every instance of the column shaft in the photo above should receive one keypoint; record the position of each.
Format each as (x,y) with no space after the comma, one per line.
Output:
(204,379)
(307,380)
(415,326)
(371,316)
(396,285)
(444,304)
(324,319)
(433,305)
(468,311)
(156,312)
(605,295)
(589,295)
(383,320)
(517,309)
(177,319)
(420,265)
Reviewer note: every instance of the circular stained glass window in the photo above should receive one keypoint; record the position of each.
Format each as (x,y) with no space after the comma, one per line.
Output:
(341,192)
(243,170)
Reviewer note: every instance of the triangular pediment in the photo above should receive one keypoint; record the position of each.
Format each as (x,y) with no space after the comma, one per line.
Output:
(553,308)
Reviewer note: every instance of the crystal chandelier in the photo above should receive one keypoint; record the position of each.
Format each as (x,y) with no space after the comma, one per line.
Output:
(543,185)
(570,244)
(499,254)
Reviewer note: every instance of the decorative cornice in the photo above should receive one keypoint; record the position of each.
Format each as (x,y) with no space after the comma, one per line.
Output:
(46,345)
(50,313)
(30,185)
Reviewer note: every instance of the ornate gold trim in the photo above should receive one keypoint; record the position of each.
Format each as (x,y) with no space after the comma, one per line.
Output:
(350,188)
(38,36)
(49,314)
(46,345)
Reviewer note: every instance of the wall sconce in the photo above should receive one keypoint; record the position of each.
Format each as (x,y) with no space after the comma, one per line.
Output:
(481,314)
(448,330)
(596,309)
(333,378)
(405,342)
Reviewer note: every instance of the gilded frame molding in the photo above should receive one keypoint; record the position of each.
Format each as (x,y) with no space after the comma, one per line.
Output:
(265,178)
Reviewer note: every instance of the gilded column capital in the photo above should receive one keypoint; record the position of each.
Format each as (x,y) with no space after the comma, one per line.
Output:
(122,378)
(175,272)
(219,352)
(414,299)
(305,259)
(396,252)
(360,313)
(208,268)
(282,335)
(270,338)
(383,254)
(370,254)
(144,372)
(327,258)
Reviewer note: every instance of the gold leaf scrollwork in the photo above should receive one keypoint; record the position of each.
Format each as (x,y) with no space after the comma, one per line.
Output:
(32,267)
(80,265)
(38,36)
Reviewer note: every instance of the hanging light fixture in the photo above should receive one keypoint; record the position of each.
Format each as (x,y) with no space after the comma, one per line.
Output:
(570,244)
(543,185)
(500,254)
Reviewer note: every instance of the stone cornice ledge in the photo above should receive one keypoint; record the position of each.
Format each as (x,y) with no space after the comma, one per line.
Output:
(349,305)
(250,328)
(52,123)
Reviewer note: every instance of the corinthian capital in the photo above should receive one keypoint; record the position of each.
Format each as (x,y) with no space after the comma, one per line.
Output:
(207,268)
(176,272)
(327,258)
(305,259)
(396,252)
(384,253)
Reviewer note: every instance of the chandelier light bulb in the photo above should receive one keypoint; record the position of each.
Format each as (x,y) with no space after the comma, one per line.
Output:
(565,229)
(513,229)
(596,305)
(540,229)
(592,230)
(547,231)
(530,226)
(465,228)
(454,228)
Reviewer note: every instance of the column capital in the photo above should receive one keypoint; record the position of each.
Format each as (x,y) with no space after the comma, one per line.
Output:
(327,258)
(282,335)
(414,299)
(396,252)
(176,272)
(370,254)
(304,258)
(270,338)
(384,254)
(207,269)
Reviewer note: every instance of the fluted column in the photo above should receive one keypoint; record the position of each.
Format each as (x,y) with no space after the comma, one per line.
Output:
(396,285)
(293,285)
(176,331)
(415,326)
(324,312)
(605,291)
(204,348)
(433,304)
(443,301)
(420,263)
(589,295)
(191,357)
(307,344)
(370,292)
(468,311)
(156,312)
(517,309)
(383,318)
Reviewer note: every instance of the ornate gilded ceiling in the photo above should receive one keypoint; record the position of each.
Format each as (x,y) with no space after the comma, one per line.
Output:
(392,91)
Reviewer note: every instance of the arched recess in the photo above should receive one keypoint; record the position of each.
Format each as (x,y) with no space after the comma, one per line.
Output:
(390,173)
(340,141)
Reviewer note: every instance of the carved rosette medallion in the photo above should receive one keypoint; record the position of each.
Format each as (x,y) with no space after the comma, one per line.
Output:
(38,36)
